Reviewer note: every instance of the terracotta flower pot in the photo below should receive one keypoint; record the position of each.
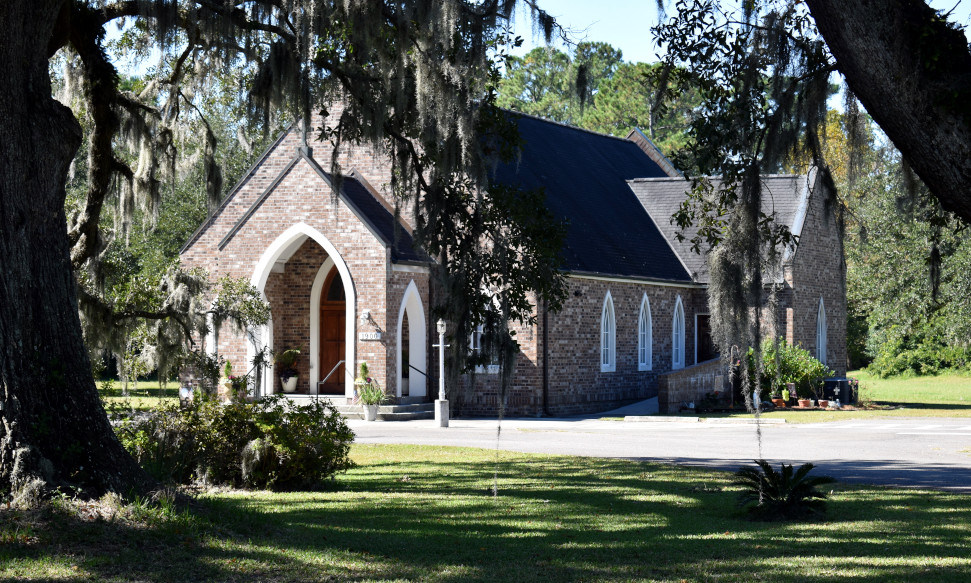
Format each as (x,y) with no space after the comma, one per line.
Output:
(805,403)
(823,403)
(779,402)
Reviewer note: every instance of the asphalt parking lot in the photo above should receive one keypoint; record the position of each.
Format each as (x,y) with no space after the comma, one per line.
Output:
(918,453)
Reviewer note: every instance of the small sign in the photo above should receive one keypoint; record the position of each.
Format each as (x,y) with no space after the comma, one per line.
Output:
(369,336)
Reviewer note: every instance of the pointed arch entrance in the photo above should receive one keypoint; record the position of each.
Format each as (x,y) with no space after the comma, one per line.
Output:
(282,248)
(412,339)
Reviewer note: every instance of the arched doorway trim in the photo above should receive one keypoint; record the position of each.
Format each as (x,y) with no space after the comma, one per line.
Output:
(417,341)
(284,245)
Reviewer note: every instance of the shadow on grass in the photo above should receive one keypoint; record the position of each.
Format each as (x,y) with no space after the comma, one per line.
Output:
(555,519)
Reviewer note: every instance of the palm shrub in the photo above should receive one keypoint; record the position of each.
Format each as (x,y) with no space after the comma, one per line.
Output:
(788,494)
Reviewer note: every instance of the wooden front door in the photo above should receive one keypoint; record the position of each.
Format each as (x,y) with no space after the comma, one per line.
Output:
(332,330)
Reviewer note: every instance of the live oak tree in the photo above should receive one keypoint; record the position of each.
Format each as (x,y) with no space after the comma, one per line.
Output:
(415,78)
(910,67)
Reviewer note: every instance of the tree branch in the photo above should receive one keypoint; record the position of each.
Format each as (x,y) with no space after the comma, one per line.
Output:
(912,72)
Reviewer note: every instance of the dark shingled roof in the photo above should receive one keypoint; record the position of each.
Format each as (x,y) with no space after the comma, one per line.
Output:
(584,175)
(381,221)
(782,198)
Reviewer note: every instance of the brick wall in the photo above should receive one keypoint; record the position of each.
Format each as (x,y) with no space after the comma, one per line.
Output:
(576,383)
(690,384)
(818,271)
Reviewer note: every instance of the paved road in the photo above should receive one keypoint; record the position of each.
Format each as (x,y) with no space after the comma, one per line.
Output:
(926,452)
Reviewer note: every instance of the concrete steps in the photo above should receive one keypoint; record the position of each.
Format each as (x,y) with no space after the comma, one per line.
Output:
(400,412)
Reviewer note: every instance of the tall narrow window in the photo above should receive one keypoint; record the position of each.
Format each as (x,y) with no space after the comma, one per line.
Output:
(476,346)
(677,336)
(821,333)
(608,336)
(645,337)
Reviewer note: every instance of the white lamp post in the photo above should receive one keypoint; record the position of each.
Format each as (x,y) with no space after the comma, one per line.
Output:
(441,405)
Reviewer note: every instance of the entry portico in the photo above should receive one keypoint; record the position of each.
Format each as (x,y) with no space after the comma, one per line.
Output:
(336,267)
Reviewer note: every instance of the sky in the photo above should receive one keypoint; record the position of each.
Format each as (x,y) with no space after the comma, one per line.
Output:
(626,24)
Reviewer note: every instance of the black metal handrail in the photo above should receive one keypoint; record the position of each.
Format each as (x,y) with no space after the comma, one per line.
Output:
(332,371)
(418,371)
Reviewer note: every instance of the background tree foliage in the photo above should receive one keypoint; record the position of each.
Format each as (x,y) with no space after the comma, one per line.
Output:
(595,89)
(908,260)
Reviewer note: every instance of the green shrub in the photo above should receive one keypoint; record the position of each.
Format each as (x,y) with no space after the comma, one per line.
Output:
(791,364)
(771,495)
(272,443)
(300,446)
(927,354)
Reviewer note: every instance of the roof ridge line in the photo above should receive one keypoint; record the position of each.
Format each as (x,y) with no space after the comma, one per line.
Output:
(708,176)
(565,125)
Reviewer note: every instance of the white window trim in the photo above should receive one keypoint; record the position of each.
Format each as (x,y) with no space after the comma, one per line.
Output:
(608,336)
(821,332)
(677,336)
(645,336)
(475,345)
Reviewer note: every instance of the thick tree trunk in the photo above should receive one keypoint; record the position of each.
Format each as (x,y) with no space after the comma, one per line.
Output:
(53,429)
(913,75)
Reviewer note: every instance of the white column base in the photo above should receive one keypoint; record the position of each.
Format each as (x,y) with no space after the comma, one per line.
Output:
(441,412)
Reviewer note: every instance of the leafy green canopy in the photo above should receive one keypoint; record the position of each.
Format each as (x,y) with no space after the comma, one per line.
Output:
(594,89)
(909,272)
(907,258)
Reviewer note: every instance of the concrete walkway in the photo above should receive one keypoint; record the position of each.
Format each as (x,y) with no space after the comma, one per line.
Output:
(641,408)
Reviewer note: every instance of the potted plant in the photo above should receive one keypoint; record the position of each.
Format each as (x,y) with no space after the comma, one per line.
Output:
(368,392)
(288,374)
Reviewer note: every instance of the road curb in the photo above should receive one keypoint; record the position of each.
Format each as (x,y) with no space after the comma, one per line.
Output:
(661,419)
(735,421)
(710,420)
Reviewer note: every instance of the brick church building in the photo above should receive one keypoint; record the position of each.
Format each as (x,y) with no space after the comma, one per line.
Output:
(346,285)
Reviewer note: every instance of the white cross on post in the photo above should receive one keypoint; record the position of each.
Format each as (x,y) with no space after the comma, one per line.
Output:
(441,405)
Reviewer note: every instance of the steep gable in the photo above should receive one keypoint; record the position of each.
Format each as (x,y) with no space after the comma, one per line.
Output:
(266,174)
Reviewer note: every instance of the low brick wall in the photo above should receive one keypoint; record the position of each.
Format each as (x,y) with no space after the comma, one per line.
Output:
(690,384)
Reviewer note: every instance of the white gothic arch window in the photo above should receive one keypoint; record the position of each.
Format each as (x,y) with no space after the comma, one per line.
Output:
(821,332)
(645,337)
(677,336)
(608,336)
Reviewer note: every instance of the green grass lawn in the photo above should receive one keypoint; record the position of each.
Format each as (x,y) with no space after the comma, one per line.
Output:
(147,395)
(949,389)
(929,396)
(409,513)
